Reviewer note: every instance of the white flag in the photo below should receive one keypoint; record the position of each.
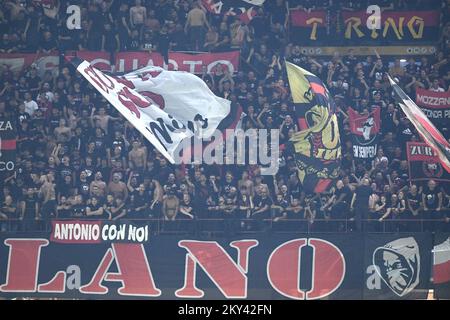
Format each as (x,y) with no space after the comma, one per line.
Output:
(165,106)
(183,95)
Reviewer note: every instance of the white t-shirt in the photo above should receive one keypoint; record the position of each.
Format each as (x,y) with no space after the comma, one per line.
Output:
(31,107)
(50,96)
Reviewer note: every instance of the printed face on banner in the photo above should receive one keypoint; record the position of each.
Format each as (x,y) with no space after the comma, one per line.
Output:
(398,265)
(432,169)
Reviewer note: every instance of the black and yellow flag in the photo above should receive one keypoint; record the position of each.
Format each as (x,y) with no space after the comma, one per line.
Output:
(317,146)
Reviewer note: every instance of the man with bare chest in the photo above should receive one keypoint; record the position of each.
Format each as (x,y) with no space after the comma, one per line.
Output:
(102,118)
(117,187)
(98,184)
(171,205)
(137,157)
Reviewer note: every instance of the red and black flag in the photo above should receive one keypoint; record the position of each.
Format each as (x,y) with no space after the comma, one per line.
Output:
(435,105)
(426,129)
(364,129)
(244,9)
(8,141)
(424,163)
(309,25)
(317,146)
(441,266)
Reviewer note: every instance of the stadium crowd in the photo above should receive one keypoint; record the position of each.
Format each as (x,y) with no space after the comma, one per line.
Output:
(78,158)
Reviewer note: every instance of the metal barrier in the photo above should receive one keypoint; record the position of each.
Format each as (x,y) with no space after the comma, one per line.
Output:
(232,226)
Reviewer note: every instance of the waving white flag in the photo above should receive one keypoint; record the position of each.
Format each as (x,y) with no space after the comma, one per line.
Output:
(165,106)
(183,95)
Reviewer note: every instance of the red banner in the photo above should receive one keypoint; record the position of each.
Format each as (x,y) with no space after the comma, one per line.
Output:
(15,62)
(300,18)
(424,164)
(125,61)
(98,59)
(432,99)
(349,28)
(128,61)
(419,151)
(360,124)
(429,18)
(365,129)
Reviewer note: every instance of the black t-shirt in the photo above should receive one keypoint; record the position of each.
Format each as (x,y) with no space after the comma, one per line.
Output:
(296,191)
(163,173)
(78,211)
(362,195)
(252,84)
(65,189)
(94,40)
(64,213)
(299,59)
(226,187)
(431,197)
(97,19)
(347,194)
(140,200)
(118,212)
(404,133)
(48,44)
(110,40)
(99,145)
(283,204)
(414,200)
(68,44)
(261,202)
(446,204)
(22,116)
(22,89)
(202,192)
(389,148)
(89,171)
(54,122)
(378,73)
(30,207)
(163,42)
(83,187)
(241,95)
(104,215)
(117,143)
(121,28)
(350,62)
(277,12)
(189,206)
(412,69)
(403,173)
(33,82)
(387,124)
(64,171)
(9,210)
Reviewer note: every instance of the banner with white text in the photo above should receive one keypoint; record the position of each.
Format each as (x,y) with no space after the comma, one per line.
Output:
(435,105)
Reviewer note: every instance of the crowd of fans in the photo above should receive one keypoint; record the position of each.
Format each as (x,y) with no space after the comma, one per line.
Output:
(78,158)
